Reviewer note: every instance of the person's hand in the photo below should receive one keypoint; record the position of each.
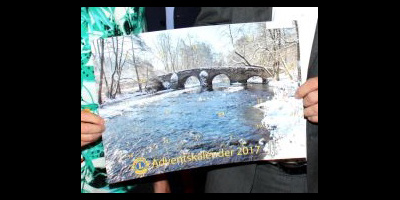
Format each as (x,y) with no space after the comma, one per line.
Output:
(92,127)
(309,93)
(161,186)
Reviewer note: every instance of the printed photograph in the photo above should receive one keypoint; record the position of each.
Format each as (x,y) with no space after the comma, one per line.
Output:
(195,97)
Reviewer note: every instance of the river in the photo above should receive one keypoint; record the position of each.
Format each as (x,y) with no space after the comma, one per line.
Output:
(190,122)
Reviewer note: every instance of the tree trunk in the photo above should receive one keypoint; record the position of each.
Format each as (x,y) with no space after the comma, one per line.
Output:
(147,74)
(120,66)
(115,67)
(101,52)
(136,69)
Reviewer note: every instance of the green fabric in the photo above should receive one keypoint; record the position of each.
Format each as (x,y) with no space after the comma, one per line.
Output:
(101,22)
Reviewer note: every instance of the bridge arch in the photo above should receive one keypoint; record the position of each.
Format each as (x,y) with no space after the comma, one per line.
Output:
(183,78)
(192,81)
(220,80)
(256,79)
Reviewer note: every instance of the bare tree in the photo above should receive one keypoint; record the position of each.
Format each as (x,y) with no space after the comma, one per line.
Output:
(161,47)
(98,55)
(118,64)
(166,52)
(186,53)
(204,55)
(246,62)
(264,48)
(136,68)
(101,55)
(141,46)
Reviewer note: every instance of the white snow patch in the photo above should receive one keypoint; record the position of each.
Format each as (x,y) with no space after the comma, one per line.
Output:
(174,77)
(283,115)
(284,88)
(203,74)
(166,84)
(254,79)
(234,89)
(237,83)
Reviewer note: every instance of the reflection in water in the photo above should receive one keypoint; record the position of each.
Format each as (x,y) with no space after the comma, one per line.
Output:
(191,122)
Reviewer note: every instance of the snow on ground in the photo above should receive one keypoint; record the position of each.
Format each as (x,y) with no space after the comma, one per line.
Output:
(286,116)
(234,89)
(284,88)
(283,115)
(125,102)
(122,97)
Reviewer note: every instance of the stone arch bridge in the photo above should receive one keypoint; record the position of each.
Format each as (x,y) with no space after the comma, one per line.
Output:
(206,75)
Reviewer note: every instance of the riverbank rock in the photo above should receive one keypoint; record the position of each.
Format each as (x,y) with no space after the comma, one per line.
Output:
(154,85)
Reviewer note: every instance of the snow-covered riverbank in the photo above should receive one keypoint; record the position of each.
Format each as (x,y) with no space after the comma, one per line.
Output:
(124,103)
(283,116)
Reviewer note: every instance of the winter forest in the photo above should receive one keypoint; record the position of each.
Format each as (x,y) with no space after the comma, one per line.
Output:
(131,64)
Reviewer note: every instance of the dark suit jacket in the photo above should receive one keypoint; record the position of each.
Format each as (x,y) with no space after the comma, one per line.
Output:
(312,129)
(231,15)
(240,181)
(183,17)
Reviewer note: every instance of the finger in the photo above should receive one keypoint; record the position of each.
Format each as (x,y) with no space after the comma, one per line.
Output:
(84,143)
(311,98)
(311,111)
(309,86)
(91,118)
(313,119)
(90,137)
(88,128)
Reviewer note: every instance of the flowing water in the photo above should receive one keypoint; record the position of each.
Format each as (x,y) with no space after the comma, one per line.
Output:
(190,122)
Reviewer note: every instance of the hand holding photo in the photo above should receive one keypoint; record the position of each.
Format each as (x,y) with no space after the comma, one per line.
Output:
(196,97)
